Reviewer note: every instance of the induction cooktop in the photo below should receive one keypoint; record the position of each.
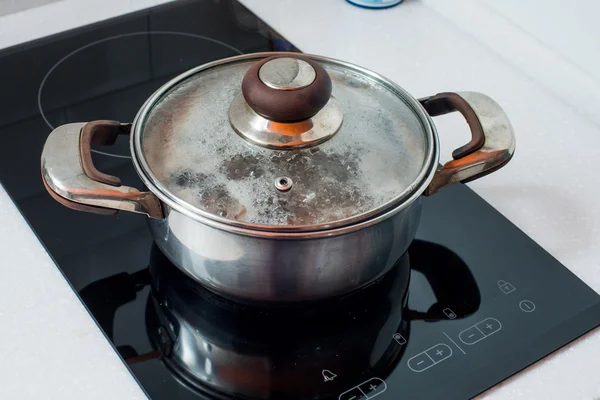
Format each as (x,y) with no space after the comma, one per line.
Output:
(483,302)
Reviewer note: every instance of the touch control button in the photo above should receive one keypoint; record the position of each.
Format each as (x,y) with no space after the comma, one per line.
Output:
(428,358)
(480,331)
(471,335)
(439,352)
(527,305)
(372,387)
(506,287)
(420,362)
(366,390)
(353,394)
(489,326)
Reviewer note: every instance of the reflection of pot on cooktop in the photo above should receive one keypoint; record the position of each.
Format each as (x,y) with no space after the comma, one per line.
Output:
(264,352)
(257,351)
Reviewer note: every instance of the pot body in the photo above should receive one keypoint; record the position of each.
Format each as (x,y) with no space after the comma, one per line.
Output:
(282,270)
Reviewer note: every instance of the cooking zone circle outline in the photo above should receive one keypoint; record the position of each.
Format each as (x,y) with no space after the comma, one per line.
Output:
(79,49)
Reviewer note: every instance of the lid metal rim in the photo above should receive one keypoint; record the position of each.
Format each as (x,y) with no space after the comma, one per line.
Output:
(342,226)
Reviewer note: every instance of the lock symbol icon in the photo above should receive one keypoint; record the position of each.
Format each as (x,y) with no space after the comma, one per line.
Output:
(506,287)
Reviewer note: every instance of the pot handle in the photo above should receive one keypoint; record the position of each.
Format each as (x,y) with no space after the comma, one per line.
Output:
(492,137)
(71,179)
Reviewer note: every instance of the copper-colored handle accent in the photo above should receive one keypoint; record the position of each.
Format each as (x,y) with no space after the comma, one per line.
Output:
(78,206)
(102,132)
(151,355)
(492,142)
(286,105)
(70,177)
(444,103)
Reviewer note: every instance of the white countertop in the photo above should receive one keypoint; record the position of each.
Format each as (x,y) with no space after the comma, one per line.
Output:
(546,76)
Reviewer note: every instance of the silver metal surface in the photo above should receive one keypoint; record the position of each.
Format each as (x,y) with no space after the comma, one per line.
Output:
(283,136)
(287,73)
(62,172)
(283,183)
(383,156)
(275,270)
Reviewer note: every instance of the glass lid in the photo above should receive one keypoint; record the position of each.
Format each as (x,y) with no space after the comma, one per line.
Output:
(283,142)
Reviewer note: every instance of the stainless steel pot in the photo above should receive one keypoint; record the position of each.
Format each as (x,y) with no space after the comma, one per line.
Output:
(278,176)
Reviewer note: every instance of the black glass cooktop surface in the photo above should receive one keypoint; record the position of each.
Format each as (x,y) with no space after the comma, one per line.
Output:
(483,300)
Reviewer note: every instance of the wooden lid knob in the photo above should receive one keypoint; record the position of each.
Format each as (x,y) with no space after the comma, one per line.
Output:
(288,88)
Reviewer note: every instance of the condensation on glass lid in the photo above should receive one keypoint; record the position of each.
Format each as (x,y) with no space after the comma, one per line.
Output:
(194,153)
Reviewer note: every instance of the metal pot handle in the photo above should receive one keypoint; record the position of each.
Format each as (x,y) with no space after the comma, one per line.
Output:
(492,144)
(71,179)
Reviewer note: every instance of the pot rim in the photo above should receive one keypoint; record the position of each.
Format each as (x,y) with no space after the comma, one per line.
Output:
(359,221)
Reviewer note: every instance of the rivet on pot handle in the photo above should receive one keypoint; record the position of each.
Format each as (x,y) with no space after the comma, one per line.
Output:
(492,144)
(71,178)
